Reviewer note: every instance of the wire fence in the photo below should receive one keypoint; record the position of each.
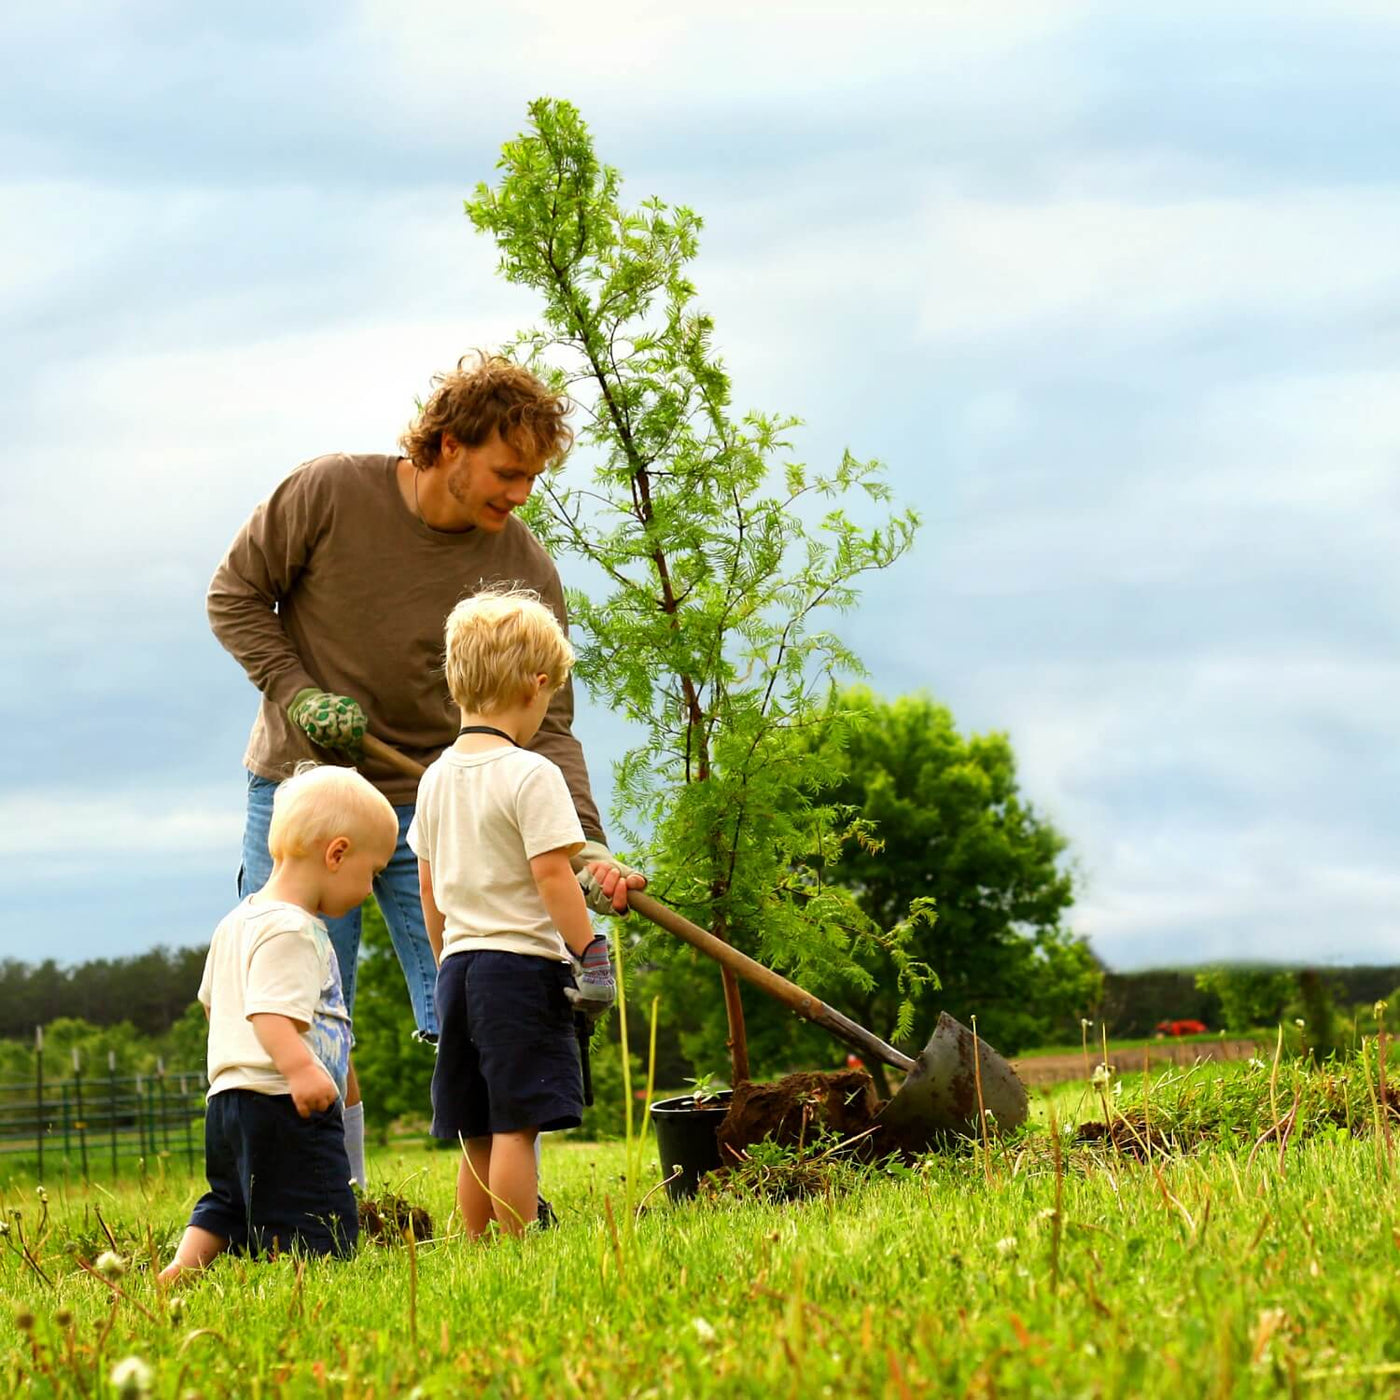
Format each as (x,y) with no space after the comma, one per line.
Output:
(93,1123)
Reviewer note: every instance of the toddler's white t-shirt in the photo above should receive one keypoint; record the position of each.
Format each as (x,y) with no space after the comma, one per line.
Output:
(480,819)
(268,956)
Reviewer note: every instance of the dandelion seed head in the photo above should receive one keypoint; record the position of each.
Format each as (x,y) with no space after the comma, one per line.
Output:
(110,1265)
(132,1378)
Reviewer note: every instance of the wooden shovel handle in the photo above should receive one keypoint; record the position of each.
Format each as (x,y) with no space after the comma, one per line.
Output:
(385,753)
(765,979)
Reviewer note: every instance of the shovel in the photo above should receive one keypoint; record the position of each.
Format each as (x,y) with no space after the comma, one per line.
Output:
(955,1084)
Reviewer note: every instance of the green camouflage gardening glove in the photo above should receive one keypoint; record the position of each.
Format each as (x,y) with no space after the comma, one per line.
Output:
(332,721)
(593,893)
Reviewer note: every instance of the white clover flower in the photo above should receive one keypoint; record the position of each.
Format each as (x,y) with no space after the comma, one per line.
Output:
(177,1308)
(132,1378)
(111,1266)
(703,1330)
(1299,1022)
(1007,1248)
(1102,1076)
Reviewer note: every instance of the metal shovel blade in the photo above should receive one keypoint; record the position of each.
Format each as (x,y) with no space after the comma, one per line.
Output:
(940,1096)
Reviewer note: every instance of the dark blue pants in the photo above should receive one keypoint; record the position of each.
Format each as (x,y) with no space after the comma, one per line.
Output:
(277,1181)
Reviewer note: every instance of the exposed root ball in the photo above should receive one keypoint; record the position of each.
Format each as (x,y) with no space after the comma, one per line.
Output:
(794,1111)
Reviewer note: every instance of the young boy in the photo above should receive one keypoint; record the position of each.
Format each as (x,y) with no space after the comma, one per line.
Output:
(494,830)
(279,1033)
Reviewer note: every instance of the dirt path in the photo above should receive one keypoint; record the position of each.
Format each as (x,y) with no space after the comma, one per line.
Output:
(1060,1069)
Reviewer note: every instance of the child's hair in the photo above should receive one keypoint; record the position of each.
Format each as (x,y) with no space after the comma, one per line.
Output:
(498,641)
(320,802)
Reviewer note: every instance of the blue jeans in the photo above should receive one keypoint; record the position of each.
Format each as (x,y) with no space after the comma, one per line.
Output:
(395,890)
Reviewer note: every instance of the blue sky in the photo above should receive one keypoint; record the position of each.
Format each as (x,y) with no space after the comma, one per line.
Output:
(1114,293)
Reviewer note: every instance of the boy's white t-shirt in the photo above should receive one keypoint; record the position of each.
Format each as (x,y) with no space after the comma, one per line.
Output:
(479,821)
(268,956)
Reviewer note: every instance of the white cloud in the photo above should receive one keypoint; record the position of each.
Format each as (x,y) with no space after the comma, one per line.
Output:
(64,830)
(1208,817)
(1099,265)
(688,54)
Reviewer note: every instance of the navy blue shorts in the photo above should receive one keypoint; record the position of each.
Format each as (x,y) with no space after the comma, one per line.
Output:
(277,1181)
(507,1055)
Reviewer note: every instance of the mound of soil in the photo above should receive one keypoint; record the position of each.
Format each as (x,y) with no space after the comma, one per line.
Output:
(386,1219)
(793,1111)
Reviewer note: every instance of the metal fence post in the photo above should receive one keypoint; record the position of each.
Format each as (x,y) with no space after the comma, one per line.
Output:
(112,1105)
(39,1095)
(82,1122)
(140,1101)
(164,1110)
(186,1115)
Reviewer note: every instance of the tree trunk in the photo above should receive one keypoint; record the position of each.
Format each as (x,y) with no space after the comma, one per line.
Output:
(738,1042)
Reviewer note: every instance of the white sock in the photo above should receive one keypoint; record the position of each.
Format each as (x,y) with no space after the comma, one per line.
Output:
(355,1143)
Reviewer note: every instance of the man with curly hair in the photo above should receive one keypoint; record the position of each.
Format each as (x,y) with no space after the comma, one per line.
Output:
(332,598)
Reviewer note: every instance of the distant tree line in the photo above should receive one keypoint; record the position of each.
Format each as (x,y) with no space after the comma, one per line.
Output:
(151,991)
(1134,1002)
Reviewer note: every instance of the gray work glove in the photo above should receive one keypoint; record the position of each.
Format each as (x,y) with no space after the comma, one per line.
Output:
(593,894)
(596,988)
(330,721)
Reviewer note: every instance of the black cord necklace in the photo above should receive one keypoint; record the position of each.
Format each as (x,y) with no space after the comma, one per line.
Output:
(485,729)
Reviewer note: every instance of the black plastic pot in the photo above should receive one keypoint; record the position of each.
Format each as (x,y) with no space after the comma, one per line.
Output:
(685,1138)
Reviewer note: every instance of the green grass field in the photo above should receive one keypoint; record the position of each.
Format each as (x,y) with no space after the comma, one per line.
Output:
(1238,1260)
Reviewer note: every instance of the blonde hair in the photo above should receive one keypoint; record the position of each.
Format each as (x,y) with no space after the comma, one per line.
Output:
(498,641)
(488,394)
(320,802)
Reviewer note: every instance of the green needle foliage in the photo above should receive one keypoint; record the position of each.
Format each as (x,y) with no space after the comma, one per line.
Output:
(722,560)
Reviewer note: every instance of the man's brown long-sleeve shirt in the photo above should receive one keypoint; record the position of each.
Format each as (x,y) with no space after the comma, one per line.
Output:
(335,583)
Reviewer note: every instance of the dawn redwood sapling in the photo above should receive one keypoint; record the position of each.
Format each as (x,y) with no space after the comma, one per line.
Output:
(720,558)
